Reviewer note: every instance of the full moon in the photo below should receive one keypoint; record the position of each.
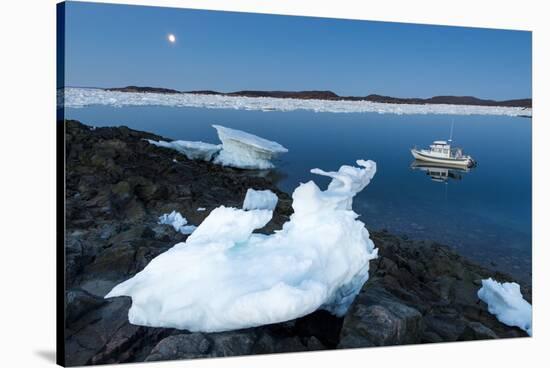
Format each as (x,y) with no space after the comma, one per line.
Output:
(171,38)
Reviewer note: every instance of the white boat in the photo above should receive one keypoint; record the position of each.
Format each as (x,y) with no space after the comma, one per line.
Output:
(440,152)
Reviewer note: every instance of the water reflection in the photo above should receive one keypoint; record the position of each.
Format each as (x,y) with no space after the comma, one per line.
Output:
(439,173)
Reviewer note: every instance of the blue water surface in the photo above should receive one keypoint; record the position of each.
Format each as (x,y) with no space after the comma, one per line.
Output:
(485,214)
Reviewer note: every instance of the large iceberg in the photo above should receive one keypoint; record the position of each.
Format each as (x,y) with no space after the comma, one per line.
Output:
(504,300)
(193,150)
(245,150)
(226,277)
(81,97)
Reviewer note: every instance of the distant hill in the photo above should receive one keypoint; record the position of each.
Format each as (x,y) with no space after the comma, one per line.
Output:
(329,95)
(143,89)
(451,100)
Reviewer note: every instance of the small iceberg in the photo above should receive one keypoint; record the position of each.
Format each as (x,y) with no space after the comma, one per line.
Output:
(178,222)
(225,277)
(260,200)
(192,150)
(239,149)
(246,151)
(504,300)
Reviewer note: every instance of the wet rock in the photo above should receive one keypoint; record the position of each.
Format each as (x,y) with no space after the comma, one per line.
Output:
(116,349)
(90,333)
(449,327)
(232,343)
(321,325)
(270,344)
(122,191)
(376,318)
(477,331)
(182,346)
(80,302)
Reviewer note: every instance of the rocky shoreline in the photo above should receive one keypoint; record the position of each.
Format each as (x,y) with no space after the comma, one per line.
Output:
(117,184)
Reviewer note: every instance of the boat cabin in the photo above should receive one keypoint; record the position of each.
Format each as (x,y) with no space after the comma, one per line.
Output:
(440,149)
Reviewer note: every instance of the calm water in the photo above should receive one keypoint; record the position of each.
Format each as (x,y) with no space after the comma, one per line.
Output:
(485,213)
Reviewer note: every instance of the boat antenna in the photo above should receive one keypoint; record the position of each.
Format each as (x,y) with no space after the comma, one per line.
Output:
(452,127)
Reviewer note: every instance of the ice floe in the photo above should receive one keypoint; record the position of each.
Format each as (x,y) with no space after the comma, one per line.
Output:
(192,150)
(238,149)
(178,222)
(81,97)
(226,277)
(244,150)
(260,200)
(504,300)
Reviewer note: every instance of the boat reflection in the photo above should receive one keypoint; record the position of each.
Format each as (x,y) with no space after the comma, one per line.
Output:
(440,173)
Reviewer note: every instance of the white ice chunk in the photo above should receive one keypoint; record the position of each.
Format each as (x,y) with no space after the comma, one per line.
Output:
(225,277)
(81,97)
(188,229)
(506,303)
(246,151)
(192,150)
(238,149)
(260,200)
(178,222)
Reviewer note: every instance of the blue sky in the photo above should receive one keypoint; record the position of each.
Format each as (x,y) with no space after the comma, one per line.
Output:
(119,45)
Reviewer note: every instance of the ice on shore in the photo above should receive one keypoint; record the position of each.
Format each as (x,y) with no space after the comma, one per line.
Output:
(177,221)
(246,151)
(192,150)
(260,200)
(238,149)
(504,300)
(81,97)
(225,277)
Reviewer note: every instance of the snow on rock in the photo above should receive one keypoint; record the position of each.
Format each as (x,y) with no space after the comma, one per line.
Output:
(244,150)
(81,97)
(260,200)
(201,209)
(504,300)
(226,277)
(192,150)
(178,222)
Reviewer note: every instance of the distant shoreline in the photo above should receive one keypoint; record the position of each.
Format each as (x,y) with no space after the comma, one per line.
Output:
(331,96)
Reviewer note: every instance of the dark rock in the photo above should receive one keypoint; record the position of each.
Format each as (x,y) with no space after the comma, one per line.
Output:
(80,302)
(232,343)
(377,318)
(183,346)
(477,331)
(322,325)
(90,334)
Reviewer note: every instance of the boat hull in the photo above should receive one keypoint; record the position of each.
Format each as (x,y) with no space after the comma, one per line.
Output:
(465,162)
